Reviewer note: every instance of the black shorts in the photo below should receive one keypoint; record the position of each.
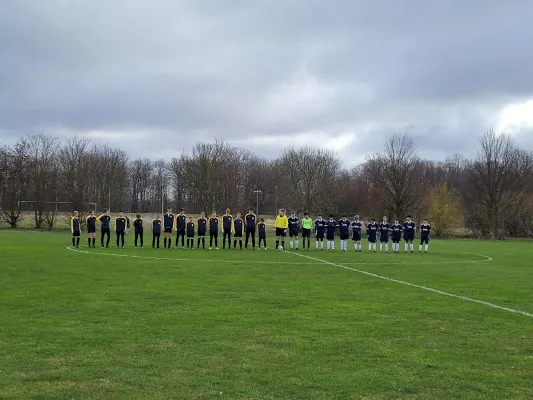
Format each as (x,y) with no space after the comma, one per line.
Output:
(76,234)
(396,239)
(168,230)
(106,230)
(91,229)
(251,231)
(409,237)
(306,233)
(180,232)
(237,235)
(156,234)
(190,235)
(424,239)
(227,231)
(330,236)
(262,237)
(372,239)
(280,232)
(201,234)
(293,232)
(384,238)
(213,233)
(344,235)
(356,236)
(319,236)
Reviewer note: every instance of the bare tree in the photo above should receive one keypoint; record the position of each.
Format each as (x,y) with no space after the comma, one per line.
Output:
(14,181)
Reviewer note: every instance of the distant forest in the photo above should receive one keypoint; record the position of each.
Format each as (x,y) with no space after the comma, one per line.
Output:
(490,195)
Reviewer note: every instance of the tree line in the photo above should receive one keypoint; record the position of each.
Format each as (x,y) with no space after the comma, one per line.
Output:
(488,195)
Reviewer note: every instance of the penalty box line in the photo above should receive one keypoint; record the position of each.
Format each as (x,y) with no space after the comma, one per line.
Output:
(485,303)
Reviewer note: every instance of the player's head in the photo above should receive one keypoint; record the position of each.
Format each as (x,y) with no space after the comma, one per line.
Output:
(331,217)
(227,210)
(92,212)
(372,219)
(306,214)
(293,213)
(75,213)
(157,216)
(214,213)
(408,218)
(138,216)
(202,214)
(343,216)
(385,218)
(121,214)
(182,210)
(319,216)
(169,210)
(190,218)
(356,217)
(106,210)
(262,220)
(238,214)
(250,210)
(425,220)
(281,211)
(396,221)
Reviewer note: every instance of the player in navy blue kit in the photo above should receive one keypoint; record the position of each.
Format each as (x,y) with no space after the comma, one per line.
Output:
(294,230)
(357,233)
(344,232)
(190,233)
(91,229)
(238,228)
(156,231)
(409,228)
(202,229)
(181,226)
(213,230)
(384,228)
(139,230)
(320,230)
(169,223)
(105,221)
(425,230)
(331,226)
(396,232)
(261,227)
(372,233)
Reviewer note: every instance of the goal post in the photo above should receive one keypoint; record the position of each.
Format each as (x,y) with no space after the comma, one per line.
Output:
(55,213)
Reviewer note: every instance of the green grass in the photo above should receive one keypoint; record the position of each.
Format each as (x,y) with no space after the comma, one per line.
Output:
(262,325)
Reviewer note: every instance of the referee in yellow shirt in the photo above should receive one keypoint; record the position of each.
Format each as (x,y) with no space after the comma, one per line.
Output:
(281,225)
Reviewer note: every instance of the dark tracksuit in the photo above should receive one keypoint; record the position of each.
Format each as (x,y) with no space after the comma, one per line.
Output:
(190,234)
(202,229)
(250,222)
(213,231)
(120,229)
(156,232)
(139,230)
(372,232)
(75,227)
(227,226)
(384,228)
(261,227)
(425,230)
(181,226)
(105,221)
(238,226)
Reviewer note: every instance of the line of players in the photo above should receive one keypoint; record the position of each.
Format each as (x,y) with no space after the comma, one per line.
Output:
(247,226)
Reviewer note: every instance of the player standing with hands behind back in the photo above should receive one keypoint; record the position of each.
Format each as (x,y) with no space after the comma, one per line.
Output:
(250,221)
(425,230)
(169,224)
(409,228)
(307,225)
(91,229)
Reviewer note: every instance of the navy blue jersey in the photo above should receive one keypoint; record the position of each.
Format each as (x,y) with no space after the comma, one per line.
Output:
(227,222)
(190,228)
(105,220)
(372,230)
(238,225)
(213,224)
(168,221)
(344,226)
(250,220)
(202,226)
(330,227)
(261,226)
(409,228)
(425,229)
(75,225)
(138,225)
(357,228)
(384,228)
(396,229)
(120,224)
(91,223)
(156,226)
(293,223)
(320,226)
(181,221)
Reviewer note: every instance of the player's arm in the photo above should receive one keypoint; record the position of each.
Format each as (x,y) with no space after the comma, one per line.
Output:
(72,224)
(116,224)
(98,218)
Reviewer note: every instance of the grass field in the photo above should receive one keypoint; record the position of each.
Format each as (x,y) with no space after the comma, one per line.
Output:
(174,324)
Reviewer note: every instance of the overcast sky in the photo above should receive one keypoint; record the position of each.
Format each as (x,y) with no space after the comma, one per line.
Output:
(154,77)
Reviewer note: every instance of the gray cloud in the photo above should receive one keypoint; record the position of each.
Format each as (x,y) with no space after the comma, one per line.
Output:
(344,73)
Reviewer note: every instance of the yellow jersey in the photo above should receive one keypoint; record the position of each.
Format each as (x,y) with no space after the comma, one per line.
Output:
(282,222)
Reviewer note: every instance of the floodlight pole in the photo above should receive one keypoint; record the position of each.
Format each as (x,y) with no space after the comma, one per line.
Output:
(257,200)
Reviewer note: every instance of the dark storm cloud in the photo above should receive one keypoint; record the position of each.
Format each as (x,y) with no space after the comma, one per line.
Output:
(170,74)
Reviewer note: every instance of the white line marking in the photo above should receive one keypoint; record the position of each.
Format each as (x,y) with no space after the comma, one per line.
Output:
(486,303)
(271,262)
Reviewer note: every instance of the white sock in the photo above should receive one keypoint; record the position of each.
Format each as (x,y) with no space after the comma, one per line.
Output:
(369,246)
(406,246)
(412,247)
(321,244)
(360,247)
(296,243)
(381,247)
(292,242)
(427,246)
(355,246)
(420,248)
(317,244)
(386,247)
(374,246)
(328,244)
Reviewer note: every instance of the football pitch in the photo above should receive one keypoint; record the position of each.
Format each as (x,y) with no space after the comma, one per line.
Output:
(455,323)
